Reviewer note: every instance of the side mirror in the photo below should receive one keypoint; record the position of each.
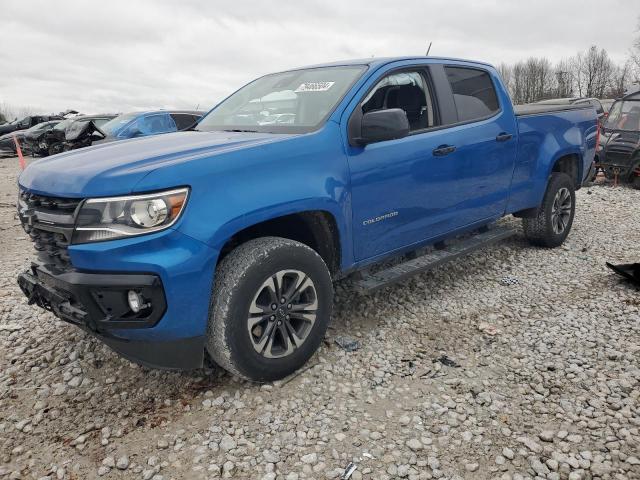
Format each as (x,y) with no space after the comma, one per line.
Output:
(381,125)
(135,132)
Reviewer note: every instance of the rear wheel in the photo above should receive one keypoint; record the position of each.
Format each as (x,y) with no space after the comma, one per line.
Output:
(270,308)
(550,227)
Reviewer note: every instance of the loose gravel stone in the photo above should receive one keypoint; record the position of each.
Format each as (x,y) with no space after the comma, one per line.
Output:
(122,463)
(512,363)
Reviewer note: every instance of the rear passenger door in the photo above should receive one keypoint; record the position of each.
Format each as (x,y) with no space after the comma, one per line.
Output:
(484,137)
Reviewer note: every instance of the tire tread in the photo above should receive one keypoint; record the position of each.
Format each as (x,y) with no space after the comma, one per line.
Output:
(537,229)
(231,271)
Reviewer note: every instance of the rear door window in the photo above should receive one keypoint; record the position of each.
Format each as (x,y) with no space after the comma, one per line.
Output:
(473,93)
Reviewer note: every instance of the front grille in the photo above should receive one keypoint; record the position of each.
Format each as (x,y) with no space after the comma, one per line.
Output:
(49,223)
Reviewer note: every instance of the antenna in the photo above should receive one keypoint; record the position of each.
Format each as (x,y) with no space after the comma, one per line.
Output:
(428,49)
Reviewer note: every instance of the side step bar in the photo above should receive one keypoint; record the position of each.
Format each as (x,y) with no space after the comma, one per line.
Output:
(370,282)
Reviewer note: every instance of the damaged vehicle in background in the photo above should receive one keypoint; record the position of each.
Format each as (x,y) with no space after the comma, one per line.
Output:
(618,155)
(31,138)
(7,142)
(26,122)
(54,140)
(143,124)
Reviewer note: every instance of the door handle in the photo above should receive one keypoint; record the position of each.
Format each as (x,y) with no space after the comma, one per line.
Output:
(443,150)
(503,137)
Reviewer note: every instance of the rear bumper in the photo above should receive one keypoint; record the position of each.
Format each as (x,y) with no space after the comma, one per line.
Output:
(98,304)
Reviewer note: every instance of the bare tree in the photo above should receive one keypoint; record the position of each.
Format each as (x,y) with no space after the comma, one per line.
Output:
(576,66)
(596,72)
(10,112)
(532,80)
(564,79)
(506,72)
(635,56)
(620,78)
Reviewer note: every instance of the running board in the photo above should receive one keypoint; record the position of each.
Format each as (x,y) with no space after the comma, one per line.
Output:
(370,282)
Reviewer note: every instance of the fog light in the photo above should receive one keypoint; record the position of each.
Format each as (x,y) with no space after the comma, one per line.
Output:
(135,301)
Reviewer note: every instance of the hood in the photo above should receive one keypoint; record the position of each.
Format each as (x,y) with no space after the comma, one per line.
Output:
(115,168)
(8,128)
(10,135)
(37,133)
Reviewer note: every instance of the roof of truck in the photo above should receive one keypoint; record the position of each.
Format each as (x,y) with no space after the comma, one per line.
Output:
(376,62)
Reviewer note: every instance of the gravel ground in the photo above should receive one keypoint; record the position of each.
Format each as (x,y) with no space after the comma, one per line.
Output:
(513,363)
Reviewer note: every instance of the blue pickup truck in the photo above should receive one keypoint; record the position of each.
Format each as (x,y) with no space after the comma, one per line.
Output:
(225,239)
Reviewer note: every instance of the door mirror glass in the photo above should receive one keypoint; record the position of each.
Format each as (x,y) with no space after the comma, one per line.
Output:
(381,125)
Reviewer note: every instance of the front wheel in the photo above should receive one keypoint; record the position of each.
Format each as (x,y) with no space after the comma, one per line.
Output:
(270,308)
(550,227)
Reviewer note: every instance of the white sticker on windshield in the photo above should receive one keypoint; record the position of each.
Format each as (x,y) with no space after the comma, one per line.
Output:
(314,87)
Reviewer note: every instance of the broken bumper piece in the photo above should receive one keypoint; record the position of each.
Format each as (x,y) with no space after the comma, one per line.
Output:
(98,303)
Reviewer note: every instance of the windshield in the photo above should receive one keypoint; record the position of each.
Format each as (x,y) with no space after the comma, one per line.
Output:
(41,126)
(63,125)
(624,115)
(112,127)
(298,101)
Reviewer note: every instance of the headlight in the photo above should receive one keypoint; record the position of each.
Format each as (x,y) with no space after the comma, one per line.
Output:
(118,217)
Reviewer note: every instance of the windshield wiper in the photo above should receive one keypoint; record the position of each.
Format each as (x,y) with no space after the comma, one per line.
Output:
(239,130)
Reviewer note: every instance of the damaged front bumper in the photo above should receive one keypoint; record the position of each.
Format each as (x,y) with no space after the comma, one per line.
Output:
(98,303)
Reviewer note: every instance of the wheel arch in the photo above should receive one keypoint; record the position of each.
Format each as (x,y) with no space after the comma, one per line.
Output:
(569,162)
(318,229)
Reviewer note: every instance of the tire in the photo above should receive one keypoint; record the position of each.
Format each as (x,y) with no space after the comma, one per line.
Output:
(550,227)
(243,287)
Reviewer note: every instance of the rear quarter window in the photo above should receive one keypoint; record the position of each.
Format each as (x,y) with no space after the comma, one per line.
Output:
(473,93)
(184,120)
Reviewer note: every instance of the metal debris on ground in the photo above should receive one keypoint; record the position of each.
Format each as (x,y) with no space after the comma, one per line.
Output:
(629,271)
(447,362)
(348,471)
(348,344)
(509,280)
(411,368)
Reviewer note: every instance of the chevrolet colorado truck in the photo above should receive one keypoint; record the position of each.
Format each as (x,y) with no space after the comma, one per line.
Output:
(225,239)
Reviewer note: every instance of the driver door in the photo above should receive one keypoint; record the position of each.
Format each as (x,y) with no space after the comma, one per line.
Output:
(403,191)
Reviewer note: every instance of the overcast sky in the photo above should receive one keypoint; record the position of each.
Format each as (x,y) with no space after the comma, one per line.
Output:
(122,55)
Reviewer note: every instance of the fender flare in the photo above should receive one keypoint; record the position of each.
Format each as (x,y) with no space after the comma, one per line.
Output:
(249,219)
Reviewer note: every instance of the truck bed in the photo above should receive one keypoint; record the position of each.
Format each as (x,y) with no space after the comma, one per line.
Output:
(540,108)
(548,132)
